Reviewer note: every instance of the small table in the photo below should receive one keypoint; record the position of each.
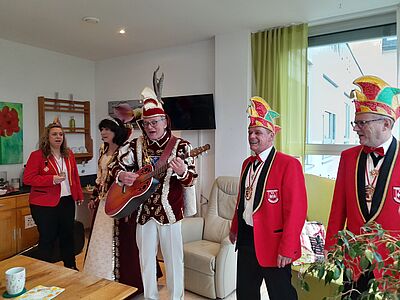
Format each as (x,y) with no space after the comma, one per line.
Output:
(77,285)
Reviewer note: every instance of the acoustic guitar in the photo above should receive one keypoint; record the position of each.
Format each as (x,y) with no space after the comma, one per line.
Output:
(122,200)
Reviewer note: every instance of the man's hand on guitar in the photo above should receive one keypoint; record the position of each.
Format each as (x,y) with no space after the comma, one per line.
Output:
(178,165)
(127,178)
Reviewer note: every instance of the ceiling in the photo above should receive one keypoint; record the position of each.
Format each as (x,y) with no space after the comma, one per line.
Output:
(152,24)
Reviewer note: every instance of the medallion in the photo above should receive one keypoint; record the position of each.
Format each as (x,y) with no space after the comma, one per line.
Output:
(374,172)
(369,192)
(247,193)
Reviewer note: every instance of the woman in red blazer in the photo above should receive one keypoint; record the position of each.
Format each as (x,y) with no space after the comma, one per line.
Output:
(53,176)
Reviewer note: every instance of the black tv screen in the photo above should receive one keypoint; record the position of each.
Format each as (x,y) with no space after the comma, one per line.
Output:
(191,112)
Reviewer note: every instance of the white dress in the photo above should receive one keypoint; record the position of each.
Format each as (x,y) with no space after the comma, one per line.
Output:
(100,255)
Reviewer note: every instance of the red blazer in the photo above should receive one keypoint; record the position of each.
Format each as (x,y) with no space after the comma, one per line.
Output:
(39,174)
(348,205)
(280,213)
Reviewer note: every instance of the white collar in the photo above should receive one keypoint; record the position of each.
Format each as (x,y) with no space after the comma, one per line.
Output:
(264,155)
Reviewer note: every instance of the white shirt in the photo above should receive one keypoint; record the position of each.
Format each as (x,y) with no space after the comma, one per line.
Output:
(370,166)
(62,167)
(248,204)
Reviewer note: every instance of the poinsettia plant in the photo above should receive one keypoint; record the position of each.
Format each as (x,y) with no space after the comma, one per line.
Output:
(360,252)
(8,121)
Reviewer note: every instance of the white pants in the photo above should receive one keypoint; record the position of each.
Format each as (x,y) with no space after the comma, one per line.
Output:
(170,238)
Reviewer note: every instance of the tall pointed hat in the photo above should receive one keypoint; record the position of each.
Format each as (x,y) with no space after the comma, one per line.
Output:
(376,96)
(261,114)
(152,102)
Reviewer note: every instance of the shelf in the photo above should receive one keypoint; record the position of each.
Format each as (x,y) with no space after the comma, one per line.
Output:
(68,106)
(80,130)
(83,157)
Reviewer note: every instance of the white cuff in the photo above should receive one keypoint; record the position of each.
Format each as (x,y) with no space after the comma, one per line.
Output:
(183,176)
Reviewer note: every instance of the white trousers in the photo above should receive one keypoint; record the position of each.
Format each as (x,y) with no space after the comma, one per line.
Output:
(170,238)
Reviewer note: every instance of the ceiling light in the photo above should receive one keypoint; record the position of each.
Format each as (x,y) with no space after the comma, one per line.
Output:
(91,20)
(122,31)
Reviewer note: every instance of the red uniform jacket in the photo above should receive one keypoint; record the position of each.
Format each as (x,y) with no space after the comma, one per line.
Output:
(280,208)
(349,204)
(39,174)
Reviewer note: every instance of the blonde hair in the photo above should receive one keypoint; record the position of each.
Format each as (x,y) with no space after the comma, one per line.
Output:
(44,144)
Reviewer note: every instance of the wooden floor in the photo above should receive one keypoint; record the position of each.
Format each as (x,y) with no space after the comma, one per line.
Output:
(162,287)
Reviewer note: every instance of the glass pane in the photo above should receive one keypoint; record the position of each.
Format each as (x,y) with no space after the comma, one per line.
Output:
(322,165)
(331,71)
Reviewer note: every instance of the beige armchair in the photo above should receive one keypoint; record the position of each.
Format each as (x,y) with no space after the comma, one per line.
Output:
(209,257)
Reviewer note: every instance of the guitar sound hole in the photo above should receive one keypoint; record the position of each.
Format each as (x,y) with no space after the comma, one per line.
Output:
(143,186)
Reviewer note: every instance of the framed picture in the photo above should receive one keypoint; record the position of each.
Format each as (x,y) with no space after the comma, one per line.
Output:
(11,133)
(135,107)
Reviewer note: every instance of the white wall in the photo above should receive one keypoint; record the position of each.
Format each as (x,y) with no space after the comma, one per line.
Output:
(188,69)
(221,67)
(232,93)
(27,72)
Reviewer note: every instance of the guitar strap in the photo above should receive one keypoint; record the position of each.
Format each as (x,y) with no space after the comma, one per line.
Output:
(167,151)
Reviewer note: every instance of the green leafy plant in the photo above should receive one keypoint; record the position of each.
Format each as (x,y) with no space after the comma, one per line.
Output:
(360,251)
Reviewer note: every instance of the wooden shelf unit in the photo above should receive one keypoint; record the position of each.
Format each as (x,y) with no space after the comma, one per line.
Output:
(68,106)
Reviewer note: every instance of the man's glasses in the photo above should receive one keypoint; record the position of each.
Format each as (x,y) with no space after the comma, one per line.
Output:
(362,123)
(152,123)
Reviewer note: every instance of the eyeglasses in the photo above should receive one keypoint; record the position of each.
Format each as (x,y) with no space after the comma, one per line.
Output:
(362,123)
(152,123)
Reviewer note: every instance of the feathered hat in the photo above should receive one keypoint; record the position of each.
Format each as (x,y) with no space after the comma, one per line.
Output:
(152,102)
(151,106)
(376,96)
(261,114)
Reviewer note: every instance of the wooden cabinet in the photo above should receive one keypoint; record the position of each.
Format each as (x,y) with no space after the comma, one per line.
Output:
(8,245)
(16,229)
(69,108)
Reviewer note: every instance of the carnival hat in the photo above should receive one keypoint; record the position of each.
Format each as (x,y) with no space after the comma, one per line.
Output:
(151,106)
(376,96)
(260,114)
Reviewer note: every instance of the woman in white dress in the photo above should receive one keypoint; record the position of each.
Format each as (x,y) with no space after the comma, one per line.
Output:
(102,252)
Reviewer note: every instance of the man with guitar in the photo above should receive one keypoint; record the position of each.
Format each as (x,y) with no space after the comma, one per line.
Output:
(160,213)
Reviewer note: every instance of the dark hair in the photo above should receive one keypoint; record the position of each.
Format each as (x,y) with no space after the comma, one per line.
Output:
(44,144)
(116,126)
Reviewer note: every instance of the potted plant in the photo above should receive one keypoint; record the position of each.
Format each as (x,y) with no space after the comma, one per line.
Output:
(360,251)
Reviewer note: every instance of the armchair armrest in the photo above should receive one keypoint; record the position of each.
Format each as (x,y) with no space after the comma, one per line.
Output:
(225,275)
(192,229)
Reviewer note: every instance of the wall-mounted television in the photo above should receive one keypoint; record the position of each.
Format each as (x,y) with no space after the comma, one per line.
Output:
(192,112)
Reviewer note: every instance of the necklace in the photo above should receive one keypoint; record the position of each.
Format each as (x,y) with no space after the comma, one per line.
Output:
(60,165)
(370,187)
(251,179)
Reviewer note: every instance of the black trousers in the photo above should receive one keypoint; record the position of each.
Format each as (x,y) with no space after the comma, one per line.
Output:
(56,223)
(361,285)
(250,276)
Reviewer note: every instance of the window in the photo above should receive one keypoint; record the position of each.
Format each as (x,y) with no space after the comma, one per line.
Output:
(334,61)
(347,123)
(329,124)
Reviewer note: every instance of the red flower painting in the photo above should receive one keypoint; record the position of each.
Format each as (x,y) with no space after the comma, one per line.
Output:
(8,121)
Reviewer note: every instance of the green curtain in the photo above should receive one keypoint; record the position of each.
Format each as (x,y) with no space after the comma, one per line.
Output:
(280,77)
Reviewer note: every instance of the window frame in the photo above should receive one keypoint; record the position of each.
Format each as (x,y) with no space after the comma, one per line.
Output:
(349,31)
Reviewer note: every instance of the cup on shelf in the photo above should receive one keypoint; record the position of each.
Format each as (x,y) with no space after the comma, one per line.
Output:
(74,150)
(82,149)
(15,280)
